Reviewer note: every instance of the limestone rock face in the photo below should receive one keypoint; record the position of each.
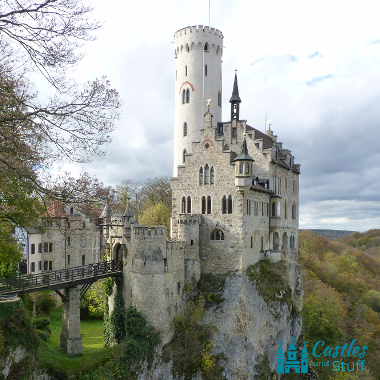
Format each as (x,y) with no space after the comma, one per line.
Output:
(249,330)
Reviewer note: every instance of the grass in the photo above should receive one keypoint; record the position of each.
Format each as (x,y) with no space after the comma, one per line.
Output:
(53,358)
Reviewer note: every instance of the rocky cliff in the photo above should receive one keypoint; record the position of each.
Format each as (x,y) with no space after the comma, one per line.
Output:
(259,309)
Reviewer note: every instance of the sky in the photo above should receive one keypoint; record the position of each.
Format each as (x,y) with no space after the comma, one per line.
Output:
(312,66)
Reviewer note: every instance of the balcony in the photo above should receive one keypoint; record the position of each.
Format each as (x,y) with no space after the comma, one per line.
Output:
(274,223)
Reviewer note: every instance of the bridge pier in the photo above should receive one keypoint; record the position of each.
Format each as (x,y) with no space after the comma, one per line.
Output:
(71,340)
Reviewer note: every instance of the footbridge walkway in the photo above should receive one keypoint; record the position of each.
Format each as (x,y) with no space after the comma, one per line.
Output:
(66,283)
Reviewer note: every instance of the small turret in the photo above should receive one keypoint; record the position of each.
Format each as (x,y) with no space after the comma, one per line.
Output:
(243,169)
(235,101)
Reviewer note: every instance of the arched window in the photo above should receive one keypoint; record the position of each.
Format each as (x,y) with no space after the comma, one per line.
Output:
(206,46)
(185,129)
(208,205)
(294,211)
(203,205)
(207,174)
(274,209)
(241,168)
(187,96)
(217,235)
(230,204)
(183,208)
(188,205)
(224,205)
(212,175)
(291,240)
(219,99)
(201,176)
(184,153)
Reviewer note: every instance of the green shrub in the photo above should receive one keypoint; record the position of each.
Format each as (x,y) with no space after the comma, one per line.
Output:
(191,346)
(271,280)
(41,326)
(16,326)
(212,286)
(45,304)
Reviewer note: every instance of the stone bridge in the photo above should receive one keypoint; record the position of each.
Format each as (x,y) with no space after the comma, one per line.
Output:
(68,280)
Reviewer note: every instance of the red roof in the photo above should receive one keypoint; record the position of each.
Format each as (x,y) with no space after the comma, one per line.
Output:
(54,210)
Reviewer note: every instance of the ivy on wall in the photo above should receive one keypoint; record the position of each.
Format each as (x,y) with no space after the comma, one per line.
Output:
(114,323)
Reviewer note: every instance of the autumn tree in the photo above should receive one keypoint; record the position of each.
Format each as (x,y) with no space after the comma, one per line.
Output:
(146,199)
(73,123)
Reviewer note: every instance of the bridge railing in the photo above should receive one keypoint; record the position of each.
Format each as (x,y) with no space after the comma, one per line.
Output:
(61,276)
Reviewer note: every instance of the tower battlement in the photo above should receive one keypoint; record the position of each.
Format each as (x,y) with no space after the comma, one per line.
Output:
(196,29)
(152,231)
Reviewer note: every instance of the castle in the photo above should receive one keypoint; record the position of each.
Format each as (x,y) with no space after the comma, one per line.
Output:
(235,192)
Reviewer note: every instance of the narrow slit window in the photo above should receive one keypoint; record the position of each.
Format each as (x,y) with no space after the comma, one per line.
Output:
(188,205)
(224,205)
(207,174)
(212,175)
(230,204)
(208,205)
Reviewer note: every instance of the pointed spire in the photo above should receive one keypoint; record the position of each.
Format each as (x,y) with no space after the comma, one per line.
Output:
(244,156)
(235,98)
(128,211)
(106,213)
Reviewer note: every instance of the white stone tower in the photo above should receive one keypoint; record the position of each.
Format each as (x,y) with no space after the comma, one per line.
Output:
(198,53)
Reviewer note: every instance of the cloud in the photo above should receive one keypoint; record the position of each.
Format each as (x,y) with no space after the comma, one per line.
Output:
(315,54)
(318,79)
(315,77)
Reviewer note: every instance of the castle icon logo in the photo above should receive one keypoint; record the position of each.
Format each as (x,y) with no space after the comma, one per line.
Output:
(299,366)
